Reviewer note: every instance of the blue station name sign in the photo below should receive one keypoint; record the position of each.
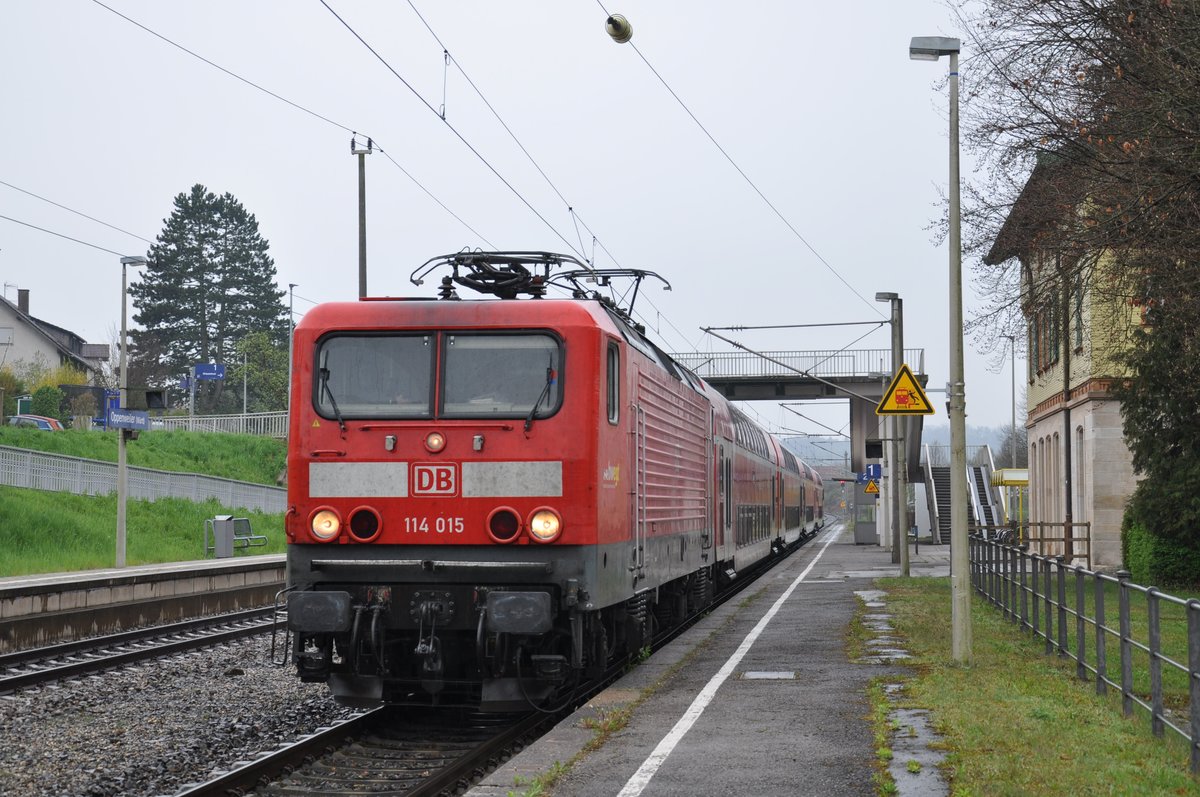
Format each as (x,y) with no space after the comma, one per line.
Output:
(129,419)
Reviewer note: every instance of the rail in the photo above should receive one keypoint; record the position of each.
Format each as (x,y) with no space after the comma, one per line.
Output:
(264,424)
(1072,541)
(37,470)
(939,456)
(1156,660)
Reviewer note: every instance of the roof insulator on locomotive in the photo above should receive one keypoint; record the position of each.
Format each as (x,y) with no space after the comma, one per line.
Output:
(447,291)
(537,286)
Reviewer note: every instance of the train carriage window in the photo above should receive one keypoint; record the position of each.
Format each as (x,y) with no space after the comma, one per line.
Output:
(374,376)
(501,375)
(614,383)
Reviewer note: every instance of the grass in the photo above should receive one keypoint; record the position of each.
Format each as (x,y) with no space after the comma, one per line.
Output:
(50,532)
(1018,722)
(1172,628)
(247,458)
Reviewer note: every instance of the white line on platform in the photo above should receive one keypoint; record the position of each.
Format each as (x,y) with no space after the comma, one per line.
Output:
(636,784)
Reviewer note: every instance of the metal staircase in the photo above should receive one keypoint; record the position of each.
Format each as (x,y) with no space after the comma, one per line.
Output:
(982,482)
(941,490)
(982,499)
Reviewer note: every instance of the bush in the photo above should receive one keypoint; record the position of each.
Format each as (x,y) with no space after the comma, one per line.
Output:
(1158,561)
(47,401)
(1136,549)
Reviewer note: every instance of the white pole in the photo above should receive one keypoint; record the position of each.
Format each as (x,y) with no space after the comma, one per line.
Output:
(122,466)
(960,586)
(122,469)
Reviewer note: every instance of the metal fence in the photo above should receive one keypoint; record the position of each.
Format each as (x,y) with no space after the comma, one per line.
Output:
(1152,656)
(266,424)
(37,470)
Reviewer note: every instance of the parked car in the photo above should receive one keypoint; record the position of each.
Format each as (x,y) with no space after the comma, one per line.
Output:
(36,422)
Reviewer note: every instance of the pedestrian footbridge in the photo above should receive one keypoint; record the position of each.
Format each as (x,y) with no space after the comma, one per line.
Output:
(860,376)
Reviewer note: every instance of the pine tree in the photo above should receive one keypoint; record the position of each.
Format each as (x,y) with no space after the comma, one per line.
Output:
(210,284)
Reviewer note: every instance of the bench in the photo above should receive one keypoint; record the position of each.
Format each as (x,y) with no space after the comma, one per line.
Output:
(224,534)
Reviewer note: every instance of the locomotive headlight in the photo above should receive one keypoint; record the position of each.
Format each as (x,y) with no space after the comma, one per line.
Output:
(325,525)
(545,525)
(435,442)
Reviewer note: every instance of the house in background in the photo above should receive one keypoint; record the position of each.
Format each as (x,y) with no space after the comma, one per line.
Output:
(26,341)
(1079,463)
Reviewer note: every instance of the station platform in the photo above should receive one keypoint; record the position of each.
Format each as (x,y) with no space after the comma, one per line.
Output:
(48,608)
(759,698)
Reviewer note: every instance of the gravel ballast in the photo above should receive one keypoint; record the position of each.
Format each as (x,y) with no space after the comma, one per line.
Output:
(152,728)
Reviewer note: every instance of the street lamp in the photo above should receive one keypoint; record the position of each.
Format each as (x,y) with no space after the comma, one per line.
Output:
(931,48)
(899,477)
(122,465)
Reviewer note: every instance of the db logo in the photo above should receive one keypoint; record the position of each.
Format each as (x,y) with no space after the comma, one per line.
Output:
(434,480)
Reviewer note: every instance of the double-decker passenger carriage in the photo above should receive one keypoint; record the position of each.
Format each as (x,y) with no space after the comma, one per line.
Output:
(490,499)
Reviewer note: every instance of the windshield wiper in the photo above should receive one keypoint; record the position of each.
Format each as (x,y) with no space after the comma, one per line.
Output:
(332,401)
(550,377)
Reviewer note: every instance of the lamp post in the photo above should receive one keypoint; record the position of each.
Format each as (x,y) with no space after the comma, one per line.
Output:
(899,476)
(122,466)
(931,48)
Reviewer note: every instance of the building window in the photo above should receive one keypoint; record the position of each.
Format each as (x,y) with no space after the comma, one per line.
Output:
(1078,312)
(1045,333)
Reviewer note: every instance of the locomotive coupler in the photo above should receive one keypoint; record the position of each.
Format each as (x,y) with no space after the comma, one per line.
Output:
(429,648)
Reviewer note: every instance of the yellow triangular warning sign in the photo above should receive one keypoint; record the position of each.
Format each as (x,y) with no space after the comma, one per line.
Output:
(904,396)
(872,487)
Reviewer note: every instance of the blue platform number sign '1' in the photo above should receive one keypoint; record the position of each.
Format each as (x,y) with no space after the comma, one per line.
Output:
(209,370)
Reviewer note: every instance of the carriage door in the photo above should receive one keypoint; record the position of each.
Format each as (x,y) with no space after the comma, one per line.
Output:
(711,500)
(718,520)
(728,497)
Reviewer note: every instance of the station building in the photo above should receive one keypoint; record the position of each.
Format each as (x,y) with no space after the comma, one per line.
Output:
(1080,469)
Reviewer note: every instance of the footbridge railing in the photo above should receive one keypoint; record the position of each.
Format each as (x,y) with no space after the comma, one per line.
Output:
(826,363)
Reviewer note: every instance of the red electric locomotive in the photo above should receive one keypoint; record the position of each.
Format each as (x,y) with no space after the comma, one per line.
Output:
(489,499)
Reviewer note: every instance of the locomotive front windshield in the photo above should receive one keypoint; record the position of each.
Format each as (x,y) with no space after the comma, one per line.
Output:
(509,376)
(375,376)
(483,376)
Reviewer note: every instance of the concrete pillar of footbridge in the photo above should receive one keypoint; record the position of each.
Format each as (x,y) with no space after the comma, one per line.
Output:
(864,424)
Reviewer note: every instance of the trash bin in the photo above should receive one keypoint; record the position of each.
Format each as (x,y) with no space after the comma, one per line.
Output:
(222,526)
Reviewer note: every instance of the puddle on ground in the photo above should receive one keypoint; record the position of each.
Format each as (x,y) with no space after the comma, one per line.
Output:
(914,765)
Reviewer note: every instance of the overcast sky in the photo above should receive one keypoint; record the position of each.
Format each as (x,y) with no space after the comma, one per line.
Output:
(818,103)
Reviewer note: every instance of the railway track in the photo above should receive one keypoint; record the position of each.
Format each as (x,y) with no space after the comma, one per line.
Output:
(392,751)
(386,751)
(27,668)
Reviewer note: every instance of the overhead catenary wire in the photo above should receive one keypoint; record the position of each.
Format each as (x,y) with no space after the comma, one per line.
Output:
(576,218)
(298,107)
(570,207)
(742,172)
(454,130)
(61,235)
(76,212)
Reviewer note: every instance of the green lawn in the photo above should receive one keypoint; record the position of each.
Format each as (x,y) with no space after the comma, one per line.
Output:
(1018,722)
(47,532)
(247,458)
